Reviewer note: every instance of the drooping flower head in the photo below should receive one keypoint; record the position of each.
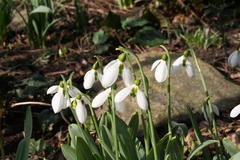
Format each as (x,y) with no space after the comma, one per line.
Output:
(234,58)
(91,76)
(183,62)
(161,72)
(59,100)
(235,111)
(113,69)
(134,91)
(80,109)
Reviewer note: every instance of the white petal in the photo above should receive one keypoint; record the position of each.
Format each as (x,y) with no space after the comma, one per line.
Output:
(141,100)
(120,107)
(122,94)
(190,69)
(127,76)
(59,102)
(89,79)
(52,89)
(155,64)
(215,109)
(110,75)
(235,111)
(177,65)
(109,65)
(73,92)
(81,112)
(101,98)
(233,59)
(161,72)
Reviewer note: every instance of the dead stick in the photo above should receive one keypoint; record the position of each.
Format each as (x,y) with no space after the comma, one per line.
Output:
(30,103)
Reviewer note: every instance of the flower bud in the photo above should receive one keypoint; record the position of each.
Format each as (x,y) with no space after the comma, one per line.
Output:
(61,84)
(95,66)
(78,97)
(187,53)
(164,57)
(137,82)
(122,57)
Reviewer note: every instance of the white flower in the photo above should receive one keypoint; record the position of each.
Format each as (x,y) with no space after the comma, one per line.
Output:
(140,96)
(235,111)
(72,91)
(234,59)
(90,77)
(101,98)
(59,100)
(161,72)
(81,111)
(112,70)
(183,62)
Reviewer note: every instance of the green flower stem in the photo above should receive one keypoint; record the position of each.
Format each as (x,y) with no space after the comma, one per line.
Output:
(145,85)
(144,124)
(93,115)
(114,127)
(146,133)
(214,126)
(169,106)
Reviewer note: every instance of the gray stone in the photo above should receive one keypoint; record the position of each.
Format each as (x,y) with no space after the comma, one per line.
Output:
(185,91)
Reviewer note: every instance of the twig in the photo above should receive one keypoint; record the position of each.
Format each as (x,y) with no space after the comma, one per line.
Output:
(30,103)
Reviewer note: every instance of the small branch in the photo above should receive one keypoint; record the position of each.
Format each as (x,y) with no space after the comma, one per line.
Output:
(30,103)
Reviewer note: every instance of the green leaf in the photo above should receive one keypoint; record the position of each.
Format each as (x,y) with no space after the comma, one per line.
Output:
(82,150)
(127,145)
(69,152)
(100,37)
(235,157)
(174,149)
(112,21)
(230,147)
(28,123)
(133,126)
(161,147)
(107,149)
(132,22)
(76,131)
(44,34)
(41,9)
(200,147)
(101,49)
(22,149)
(149,36)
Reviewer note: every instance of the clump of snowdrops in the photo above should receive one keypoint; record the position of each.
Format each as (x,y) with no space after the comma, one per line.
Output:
(113,138)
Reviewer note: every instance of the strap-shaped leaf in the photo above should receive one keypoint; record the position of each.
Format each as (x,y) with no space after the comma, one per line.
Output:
(41,9)
(68,152)
(82,150)
(200,147)
(230,147)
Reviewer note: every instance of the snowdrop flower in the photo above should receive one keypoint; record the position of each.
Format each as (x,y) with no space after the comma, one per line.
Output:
(112,70)
(134,91)
(234,59)
(161,72)
(101,98)
(80,109)
(235,111)
(72,90)
(59,100)
(91,76)
(183,62)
